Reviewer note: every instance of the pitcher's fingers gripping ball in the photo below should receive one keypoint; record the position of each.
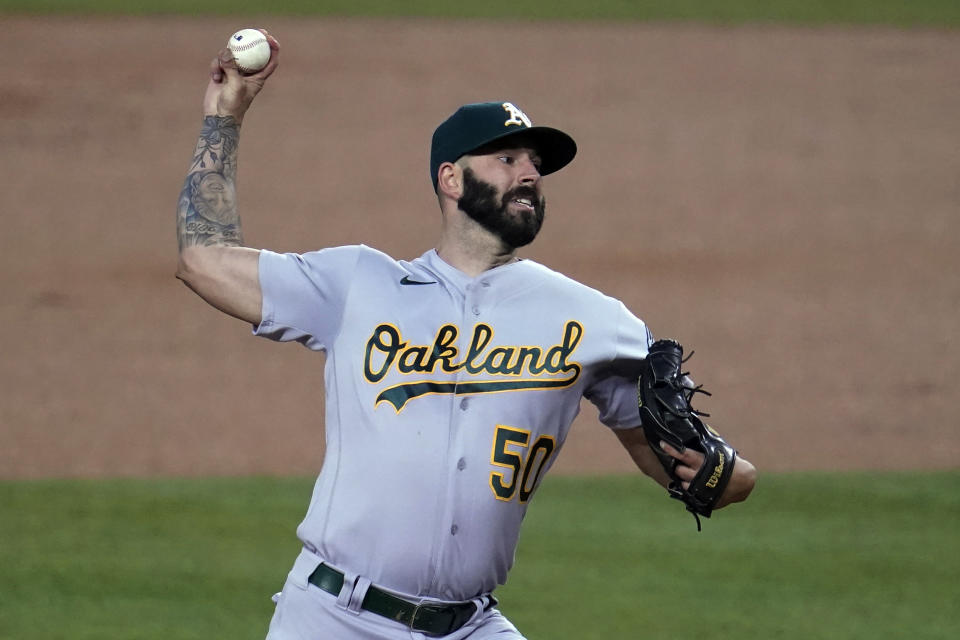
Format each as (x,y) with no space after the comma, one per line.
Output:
(250,50)
(667,416)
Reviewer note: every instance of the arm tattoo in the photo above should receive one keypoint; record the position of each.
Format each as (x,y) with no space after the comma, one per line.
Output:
(207,208)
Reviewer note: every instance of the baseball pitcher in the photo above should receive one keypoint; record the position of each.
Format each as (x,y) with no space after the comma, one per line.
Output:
(449,399)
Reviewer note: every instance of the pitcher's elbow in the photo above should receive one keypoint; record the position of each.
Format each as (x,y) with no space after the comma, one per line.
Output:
(189,265)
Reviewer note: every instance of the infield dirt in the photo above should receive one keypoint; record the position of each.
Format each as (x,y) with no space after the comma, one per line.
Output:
(784,200)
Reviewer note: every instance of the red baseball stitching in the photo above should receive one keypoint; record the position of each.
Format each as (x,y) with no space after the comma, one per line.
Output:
(244,47)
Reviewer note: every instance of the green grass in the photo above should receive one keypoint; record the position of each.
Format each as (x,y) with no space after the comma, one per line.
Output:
(808,556)
(893,12)
(131,559)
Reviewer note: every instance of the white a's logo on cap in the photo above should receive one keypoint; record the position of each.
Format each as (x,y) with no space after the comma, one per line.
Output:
(516,116)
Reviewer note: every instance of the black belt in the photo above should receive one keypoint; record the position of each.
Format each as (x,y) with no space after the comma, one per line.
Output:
(432,619)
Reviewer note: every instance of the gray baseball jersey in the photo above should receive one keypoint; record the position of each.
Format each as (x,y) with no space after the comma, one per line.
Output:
(448,399)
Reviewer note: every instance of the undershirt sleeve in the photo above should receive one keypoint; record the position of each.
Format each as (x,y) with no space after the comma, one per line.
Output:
(304,294)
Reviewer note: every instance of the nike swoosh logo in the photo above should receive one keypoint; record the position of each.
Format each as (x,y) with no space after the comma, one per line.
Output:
(407,280)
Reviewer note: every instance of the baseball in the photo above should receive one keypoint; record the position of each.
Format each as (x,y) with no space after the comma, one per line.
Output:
(250,50)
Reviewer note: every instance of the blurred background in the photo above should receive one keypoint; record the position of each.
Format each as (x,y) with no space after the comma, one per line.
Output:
(773,184)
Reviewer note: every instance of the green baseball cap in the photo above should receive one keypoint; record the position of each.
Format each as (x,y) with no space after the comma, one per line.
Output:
(475,125)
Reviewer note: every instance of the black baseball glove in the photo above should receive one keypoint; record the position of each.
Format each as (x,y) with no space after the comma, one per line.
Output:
(664,393)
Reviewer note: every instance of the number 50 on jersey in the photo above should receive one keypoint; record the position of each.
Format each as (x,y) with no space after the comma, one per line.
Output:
(512,450)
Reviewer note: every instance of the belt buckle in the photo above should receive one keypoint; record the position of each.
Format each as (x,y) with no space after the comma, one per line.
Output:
(434,609)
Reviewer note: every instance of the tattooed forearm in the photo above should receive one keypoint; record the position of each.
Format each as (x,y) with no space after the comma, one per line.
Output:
(207,208)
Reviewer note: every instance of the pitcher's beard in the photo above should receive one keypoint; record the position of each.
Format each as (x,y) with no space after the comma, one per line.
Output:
(479,201)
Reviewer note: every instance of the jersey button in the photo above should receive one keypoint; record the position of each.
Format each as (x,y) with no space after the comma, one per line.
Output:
(462,464)
(464,404)
(485,283)
(476,311)
(454,529)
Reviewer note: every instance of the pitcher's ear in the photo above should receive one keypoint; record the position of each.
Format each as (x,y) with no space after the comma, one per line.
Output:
(450,180)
